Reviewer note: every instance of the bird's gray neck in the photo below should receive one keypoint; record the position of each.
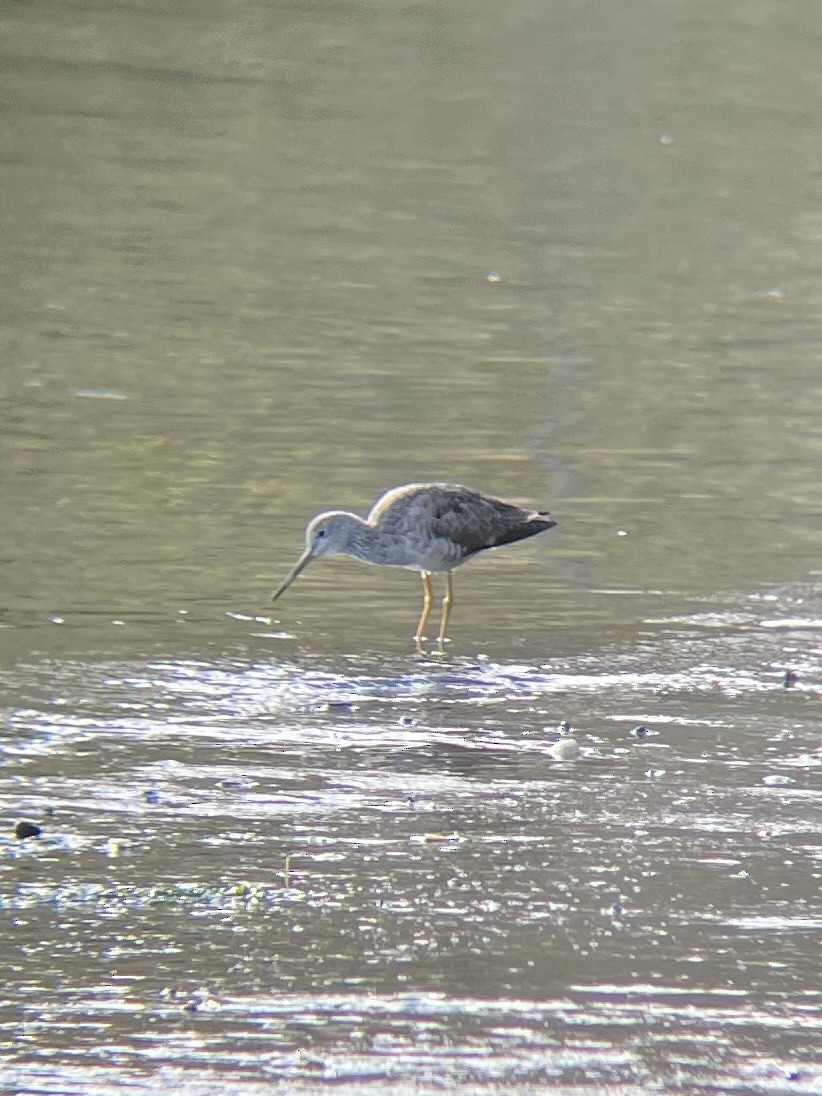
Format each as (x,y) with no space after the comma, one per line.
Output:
(371,545)
(351,537)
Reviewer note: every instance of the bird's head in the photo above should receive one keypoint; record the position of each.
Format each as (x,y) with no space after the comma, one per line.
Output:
(325,535)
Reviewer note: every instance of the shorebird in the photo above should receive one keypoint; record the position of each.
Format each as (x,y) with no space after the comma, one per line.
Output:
(427,527)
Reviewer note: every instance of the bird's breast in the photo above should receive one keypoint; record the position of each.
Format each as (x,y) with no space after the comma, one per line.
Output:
(439,554)
(414,553)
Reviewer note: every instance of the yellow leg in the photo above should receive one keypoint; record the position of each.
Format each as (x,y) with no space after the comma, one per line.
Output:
(428,601)
(447,603)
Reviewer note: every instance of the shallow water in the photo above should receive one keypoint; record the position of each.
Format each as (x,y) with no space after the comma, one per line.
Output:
(261,261)
(374,872)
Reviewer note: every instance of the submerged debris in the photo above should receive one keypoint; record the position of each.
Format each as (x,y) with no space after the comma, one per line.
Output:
(642,731)
(567,749)
(339,706)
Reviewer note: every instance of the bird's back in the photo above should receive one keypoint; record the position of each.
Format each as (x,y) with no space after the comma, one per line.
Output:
(457,520)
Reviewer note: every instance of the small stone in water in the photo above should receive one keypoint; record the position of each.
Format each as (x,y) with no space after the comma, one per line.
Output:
(567,749)
(642,732)
(26,829)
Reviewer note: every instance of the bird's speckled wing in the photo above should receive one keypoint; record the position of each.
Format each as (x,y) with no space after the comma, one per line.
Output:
(475,522)
(439,525)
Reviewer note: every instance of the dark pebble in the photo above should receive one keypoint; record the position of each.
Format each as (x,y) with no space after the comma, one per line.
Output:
(26,829)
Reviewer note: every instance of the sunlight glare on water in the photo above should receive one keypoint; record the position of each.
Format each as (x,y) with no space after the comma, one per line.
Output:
(380,827)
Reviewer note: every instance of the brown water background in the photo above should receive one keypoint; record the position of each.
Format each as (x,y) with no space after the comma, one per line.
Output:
(263,259)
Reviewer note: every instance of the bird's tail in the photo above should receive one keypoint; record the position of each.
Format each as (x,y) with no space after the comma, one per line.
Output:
(529,527)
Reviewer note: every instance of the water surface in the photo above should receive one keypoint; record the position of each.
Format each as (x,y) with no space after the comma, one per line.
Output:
(264,260)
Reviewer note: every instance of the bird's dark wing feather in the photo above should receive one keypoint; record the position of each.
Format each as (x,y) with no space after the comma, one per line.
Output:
(476,522)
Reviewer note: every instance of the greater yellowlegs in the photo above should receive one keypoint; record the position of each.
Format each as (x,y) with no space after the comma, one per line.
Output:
(426,527)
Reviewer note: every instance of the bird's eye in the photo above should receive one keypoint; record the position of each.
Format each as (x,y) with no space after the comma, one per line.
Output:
(320,533)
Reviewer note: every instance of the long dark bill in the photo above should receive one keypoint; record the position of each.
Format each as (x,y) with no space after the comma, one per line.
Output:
(298,568)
